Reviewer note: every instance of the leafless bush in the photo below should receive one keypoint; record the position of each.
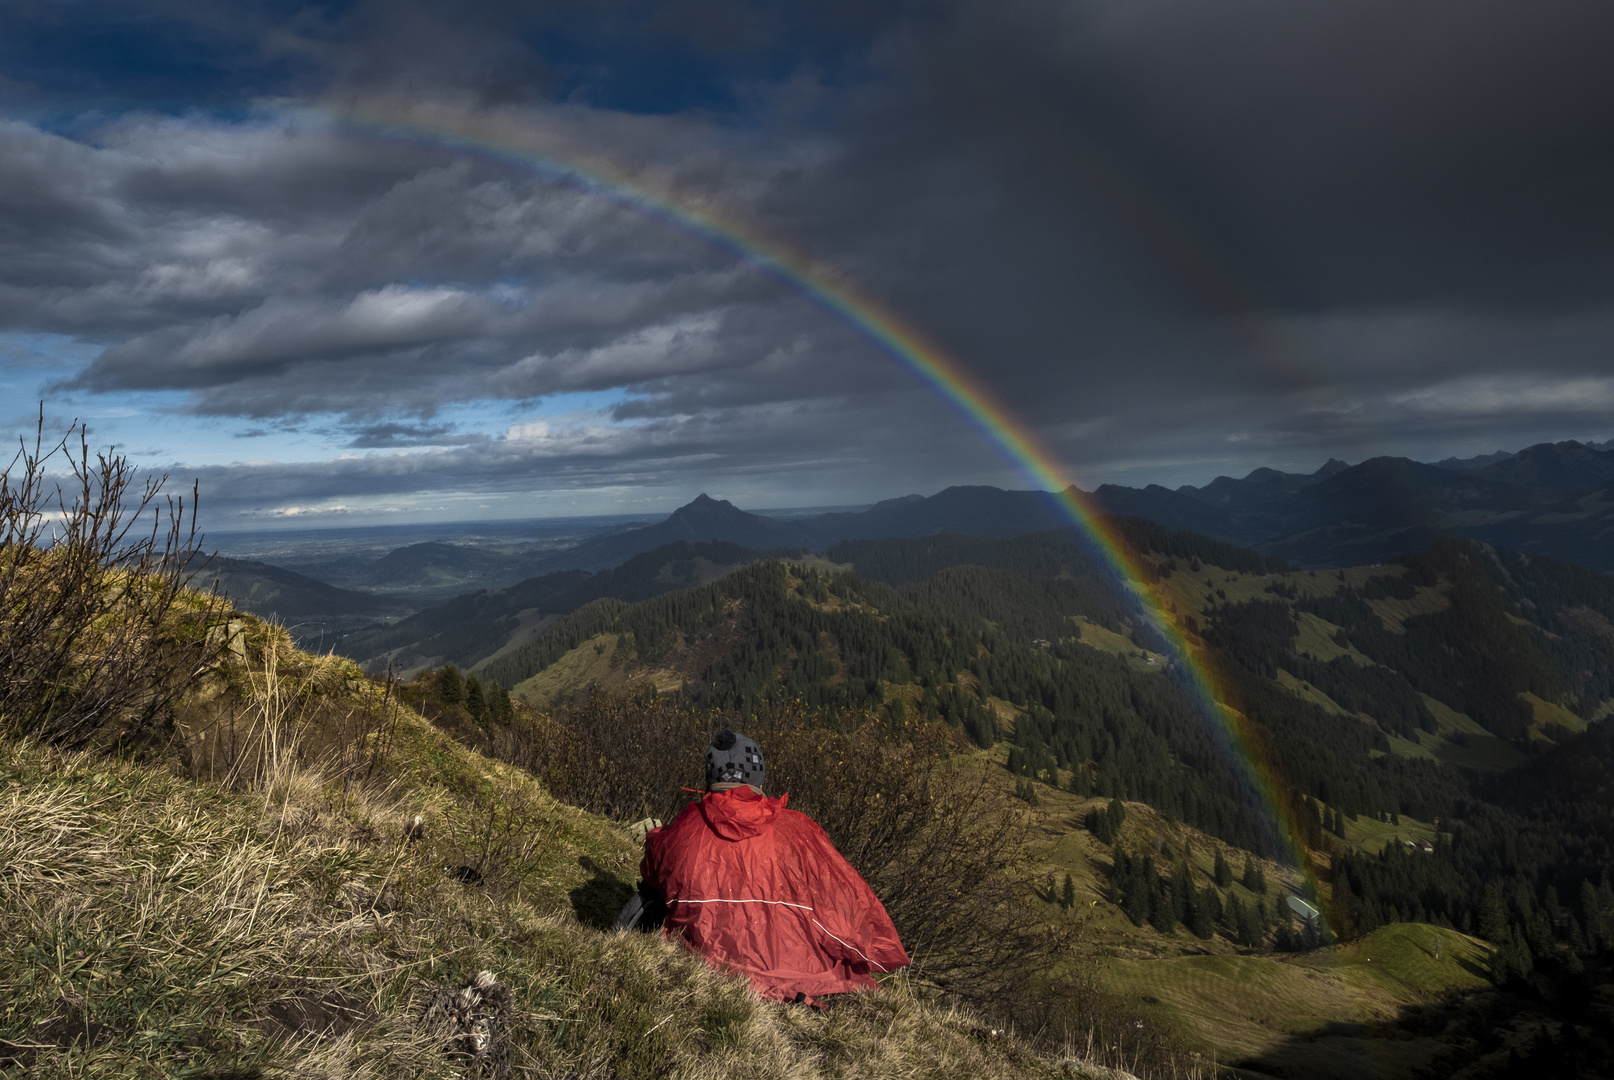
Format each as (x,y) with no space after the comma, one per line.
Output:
(934,837)
(620,757)
(99,636)
(495,831)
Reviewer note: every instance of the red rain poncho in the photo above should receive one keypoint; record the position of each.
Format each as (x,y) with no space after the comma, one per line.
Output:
(760,889)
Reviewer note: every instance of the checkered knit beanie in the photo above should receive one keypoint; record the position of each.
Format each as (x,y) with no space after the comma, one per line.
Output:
(733,759)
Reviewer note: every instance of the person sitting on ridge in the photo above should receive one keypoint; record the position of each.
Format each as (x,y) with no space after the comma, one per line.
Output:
(758,888)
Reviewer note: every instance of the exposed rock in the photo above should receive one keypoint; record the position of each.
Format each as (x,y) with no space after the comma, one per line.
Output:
(474,1022)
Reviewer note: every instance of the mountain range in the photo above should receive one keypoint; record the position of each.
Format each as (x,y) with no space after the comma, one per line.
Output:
(1385,507)
(1554,499)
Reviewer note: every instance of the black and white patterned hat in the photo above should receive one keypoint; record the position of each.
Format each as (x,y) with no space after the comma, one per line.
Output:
(733,759)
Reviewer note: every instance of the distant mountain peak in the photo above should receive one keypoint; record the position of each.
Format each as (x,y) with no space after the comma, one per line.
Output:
(900,500)
(1563,466)
(705,504)
(1331,467)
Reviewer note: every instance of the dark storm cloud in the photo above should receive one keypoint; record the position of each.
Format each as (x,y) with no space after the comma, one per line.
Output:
(1214,215)
(381,436)
(1176,237)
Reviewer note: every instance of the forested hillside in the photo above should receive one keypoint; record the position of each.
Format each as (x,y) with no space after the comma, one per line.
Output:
(474,626)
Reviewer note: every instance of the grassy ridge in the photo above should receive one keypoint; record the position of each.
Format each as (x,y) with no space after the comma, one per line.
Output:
(279,920)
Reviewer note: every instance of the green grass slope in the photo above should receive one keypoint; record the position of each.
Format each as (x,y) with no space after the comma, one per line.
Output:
(1249,1009)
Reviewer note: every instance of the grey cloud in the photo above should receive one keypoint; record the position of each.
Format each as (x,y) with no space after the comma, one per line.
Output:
(1512,396)
(54,213)
(281,332)
(391,435)
(687,344)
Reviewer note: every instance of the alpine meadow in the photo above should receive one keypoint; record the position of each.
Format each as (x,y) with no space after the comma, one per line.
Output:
(721,539)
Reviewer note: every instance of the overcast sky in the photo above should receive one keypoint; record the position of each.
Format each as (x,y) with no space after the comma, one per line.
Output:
(1176,238)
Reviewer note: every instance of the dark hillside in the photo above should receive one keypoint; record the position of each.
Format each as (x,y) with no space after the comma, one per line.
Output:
(1479,653)
(1176,510)
(1521,857)
(1049,554)
(416,565)
(1566,466)
(975,510)
(1580,529)
(273,592)
(899,561)
(469,628)
(1151,538)
(1572,612)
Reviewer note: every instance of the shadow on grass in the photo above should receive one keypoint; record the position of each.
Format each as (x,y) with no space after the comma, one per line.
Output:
(1560,1027)
(598,899)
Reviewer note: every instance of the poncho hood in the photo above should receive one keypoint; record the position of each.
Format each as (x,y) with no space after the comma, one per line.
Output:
(740,813)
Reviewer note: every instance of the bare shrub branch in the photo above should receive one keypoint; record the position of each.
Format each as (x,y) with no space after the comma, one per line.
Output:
(99,634)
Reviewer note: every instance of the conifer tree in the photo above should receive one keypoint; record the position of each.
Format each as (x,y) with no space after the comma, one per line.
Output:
(1223,873)
(475,703)
(1162,905)
(499,703)
(1183,894)
(1254,878)
(1246,921)
(1234,914)
(1591,913)
(1199,920)
(451,686)
(1493,916)
(1068,899)
(1081,781)
(1137,906)
(1115,816)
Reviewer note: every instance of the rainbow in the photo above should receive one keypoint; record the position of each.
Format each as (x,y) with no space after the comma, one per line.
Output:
(565,158)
